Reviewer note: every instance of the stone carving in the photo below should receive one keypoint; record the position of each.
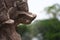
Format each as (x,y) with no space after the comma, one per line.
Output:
(12,13)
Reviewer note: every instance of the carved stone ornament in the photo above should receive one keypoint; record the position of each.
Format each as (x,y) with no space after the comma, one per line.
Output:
(12,13)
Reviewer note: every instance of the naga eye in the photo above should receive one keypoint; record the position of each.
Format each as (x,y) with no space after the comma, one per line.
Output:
(21,16)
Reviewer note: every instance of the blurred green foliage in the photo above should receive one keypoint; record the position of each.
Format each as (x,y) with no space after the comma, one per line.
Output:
(50,29)
(54,9)
(22,29)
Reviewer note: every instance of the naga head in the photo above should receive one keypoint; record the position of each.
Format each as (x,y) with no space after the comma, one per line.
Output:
(23,17)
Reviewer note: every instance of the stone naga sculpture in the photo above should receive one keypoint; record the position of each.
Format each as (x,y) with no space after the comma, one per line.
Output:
(12,13)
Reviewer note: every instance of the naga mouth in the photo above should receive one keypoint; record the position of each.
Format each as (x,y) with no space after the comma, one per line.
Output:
(30,18)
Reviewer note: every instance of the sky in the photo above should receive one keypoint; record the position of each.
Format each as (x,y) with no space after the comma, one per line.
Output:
(37,7)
